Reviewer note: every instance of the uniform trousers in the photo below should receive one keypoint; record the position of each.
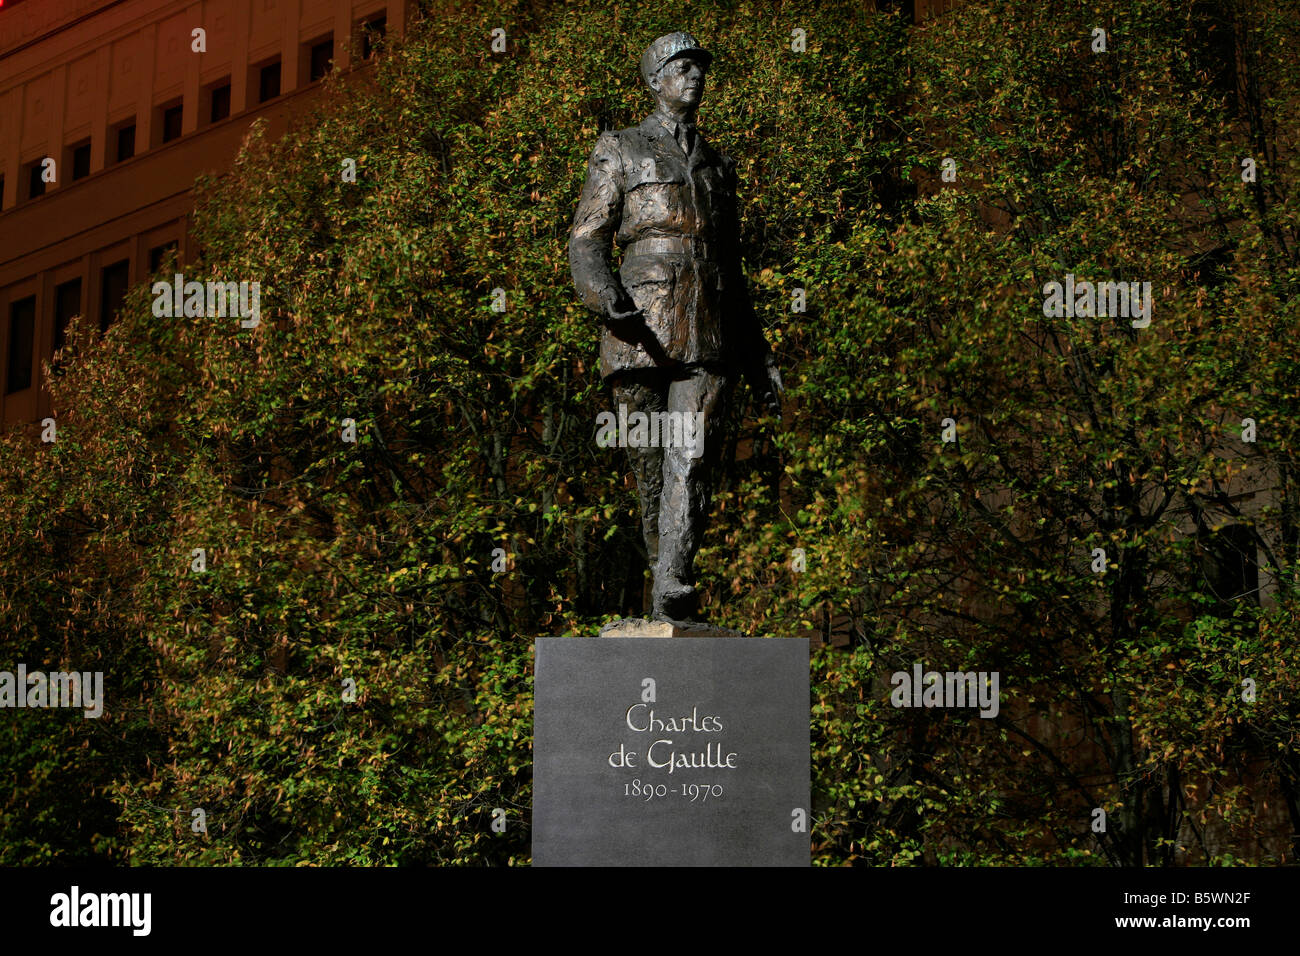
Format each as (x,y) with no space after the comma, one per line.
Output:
(674,486)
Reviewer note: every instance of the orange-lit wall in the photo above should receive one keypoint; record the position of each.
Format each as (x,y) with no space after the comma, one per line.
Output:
(74,72)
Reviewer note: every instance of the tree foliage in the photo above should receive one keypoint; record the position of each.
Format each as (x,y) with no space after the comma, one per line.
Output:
(373,561)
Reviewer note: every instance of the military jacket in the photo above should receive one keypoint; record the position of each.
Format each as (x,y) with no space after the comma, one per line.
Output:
(675,220)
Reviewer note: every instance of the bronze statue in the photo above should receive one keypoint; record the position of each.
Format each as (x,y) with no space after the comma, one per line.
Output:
(679,327)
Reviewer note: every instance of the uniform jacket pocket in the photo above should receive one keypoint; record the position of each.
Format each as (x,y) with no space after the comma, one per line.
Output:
(650,282)
(651,172)
(645,270)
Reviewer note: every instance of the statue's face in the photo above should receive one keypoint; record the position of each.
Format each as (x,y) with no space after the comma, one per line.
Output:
(680,83)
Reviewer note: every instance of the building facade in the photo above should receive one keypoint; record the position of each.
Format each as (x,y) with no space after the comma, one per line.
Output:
(109,109)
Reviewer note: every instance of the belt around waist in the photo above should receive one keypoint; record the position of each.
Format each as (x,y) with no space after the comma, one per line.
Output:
(669,245)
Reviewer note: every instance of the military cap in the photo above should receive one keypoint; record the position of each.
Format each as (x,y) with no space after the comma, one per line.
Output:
(670,47)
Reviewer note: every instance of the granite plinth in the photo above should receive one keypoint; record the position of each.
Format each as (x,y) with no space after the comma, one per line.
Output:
(691,752)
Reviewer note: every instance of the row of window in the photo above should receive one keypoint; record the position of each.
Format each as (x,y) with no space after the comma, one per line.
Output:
(114,280)
(170,117)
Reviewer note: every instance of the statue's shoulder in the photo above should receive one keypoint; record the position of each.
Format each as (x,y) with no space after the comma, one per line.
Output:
(619,149)
(710,155)
(721,161)
(608,141)
(606,155)
(635,140)
(627,142)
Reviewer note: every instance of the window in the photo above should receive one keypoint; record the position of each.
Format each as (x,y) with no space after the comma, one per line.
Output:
(81,161)
(322,54)
(22,336)
(125,142)
(158,255)
(36,179)
(268,82)
(372,36)
(112,292)
(172,117)
(67,303)
(220,104)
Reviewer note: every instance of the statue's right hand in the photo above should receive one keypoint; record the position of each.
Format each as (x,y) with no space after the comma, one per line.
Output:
(620,311)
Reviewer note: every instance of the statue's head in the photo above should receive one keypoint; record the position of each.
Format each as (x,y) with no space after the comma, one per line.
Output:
(674,67)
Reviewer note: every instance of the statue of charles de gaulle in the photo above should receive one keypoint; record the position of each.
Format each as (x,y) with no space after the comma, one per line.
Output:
(679,326)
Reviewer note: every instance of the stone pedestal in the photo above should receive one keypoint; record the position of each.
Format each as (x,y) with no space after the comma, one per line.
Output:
(689,752)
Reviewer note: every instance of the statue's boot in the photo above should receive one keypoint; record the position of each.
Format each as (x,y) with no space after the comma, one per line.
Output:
(674,601)
(675,597)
